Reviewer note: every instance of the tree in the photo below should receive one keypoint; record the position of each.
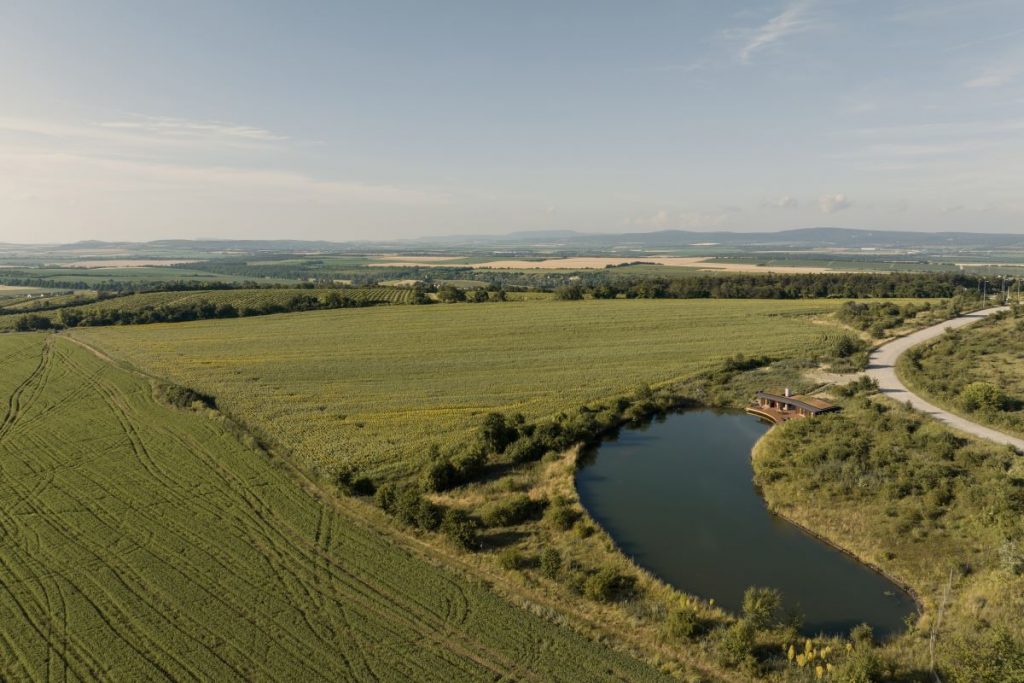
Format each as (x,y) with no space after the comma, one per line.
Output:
(460,528)
(569,293)
(497,433)
(450,294)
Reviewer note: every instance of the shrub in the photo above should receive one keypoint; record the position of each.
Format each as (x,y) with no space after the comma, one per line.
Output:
(510,511)
(602,585)
(862,635)
(982,396)
(550,563)
(27,323)
(351,485)
(762,606)
(569,293)
(736,645)
(561,516)
(384,497)
(685,622)
(496,432)
(510,558)
(460,528)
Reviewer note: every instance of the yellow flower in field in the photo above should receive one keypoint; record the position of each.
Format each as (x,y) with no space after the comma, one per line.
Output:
(808,645)
(819,671)
(801,660)
(711,602)
(829,667)
(790,653)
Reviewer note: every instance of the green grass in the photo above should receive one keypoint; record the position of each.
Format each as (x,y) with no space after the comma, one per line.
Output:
(376,387)
(146,542)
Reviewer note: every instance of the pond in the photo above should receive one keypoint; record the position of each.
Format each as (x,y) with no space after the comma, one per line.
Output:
(677,495)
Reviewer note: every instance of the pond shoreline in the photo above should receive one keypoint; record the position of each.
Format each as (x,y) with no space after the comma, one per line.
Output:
(918,604)
(748,538)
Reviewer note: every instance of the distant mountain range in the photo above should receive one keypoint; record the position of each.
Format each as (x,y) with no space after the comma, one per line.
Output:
(803,238)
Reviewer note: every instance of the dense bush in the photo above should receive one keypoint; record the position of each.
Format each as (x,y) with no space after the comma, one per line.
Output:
(510,511)
(460,528)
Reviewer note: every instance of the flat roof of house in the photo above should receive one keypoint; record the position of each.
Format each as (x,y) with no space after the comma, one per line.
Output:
(815,405)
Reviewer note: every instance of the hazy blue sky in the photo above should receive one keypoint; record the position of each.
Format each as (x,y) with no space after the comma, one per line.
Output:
(138,120)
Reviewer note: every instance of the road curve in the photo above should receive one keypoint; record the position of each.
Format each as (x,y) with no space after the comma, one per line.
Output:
(882,367)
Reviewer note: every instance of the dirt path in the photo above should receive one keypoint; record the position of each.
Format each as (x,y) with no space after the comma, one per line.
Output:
(882,367)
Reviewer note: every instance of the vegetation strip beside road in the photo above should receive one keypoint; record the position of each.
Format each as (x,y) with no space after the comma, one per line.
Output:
(882,368)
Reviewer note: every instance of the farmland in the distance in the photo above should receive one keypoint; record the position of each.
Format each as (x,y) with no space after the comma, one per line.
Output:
(239,298)
(143,542)
(377,387)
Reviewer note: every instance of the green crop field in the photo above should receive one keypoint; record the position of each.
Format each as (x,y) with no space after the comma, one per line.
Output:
(376,387)
(144,542)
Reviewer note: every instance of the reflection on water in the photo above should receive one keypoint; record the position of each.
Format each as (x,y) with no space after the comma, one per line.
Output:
(677,496)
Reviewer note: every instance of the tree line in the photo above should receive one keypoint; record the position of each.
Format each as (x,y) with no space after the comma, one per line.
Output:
(183,312)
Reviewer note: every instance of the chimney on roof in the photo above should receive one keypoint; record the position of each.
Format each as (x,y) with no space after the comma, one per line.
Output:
(788,392)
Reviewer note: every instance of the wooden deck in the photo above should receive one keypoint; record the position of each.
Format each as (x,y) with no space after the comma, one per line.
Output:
(771,414)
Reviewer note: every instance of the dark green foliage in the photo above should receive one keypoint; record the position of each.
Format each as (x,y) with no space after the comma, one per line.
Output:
(446,472)
(31,322)
(685,623)
(497,433)
(450,294)
(561,516)
(512,559)
(384,497)
(878,318)
(861,385)
(510,511)
(182,397)
(350,484)
(569,292)
(551,563)
(778,286)
(605,585)
(735,645)
(460,528)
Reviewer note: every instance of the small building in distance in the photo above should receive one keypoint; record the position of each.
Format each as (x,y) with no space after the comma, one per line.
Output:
(785,406)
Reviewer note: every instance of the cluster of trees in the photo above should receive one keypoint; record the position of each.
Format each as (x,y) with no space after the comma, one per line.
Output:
(191,310)
(877,318)
(773,286)
(409,506)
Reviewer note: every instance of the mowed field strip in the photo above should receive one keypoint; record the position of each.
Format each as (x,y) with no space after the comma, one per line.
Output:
(376,387)
(143,542)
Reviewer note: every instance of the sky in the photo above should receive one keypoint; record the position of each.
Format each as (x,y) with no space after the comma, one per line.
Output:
(386,119)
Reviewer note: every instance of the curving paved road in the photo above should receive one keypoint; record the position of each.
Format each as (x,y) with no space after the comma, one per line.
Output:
(881,366)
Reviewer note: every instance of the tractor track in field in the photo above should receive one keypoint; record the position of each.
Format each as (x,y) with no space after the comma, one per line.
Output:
(415,616)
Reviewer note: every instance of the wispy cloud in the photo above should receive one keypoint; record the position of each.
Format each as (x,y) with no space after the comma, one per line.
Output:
(182,128)
(794,19)
(783,202)
(994,77)
(831,203)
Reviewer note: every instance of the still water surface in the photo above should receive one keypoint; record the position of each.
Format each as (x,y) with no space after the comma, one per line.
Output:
(677,496)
